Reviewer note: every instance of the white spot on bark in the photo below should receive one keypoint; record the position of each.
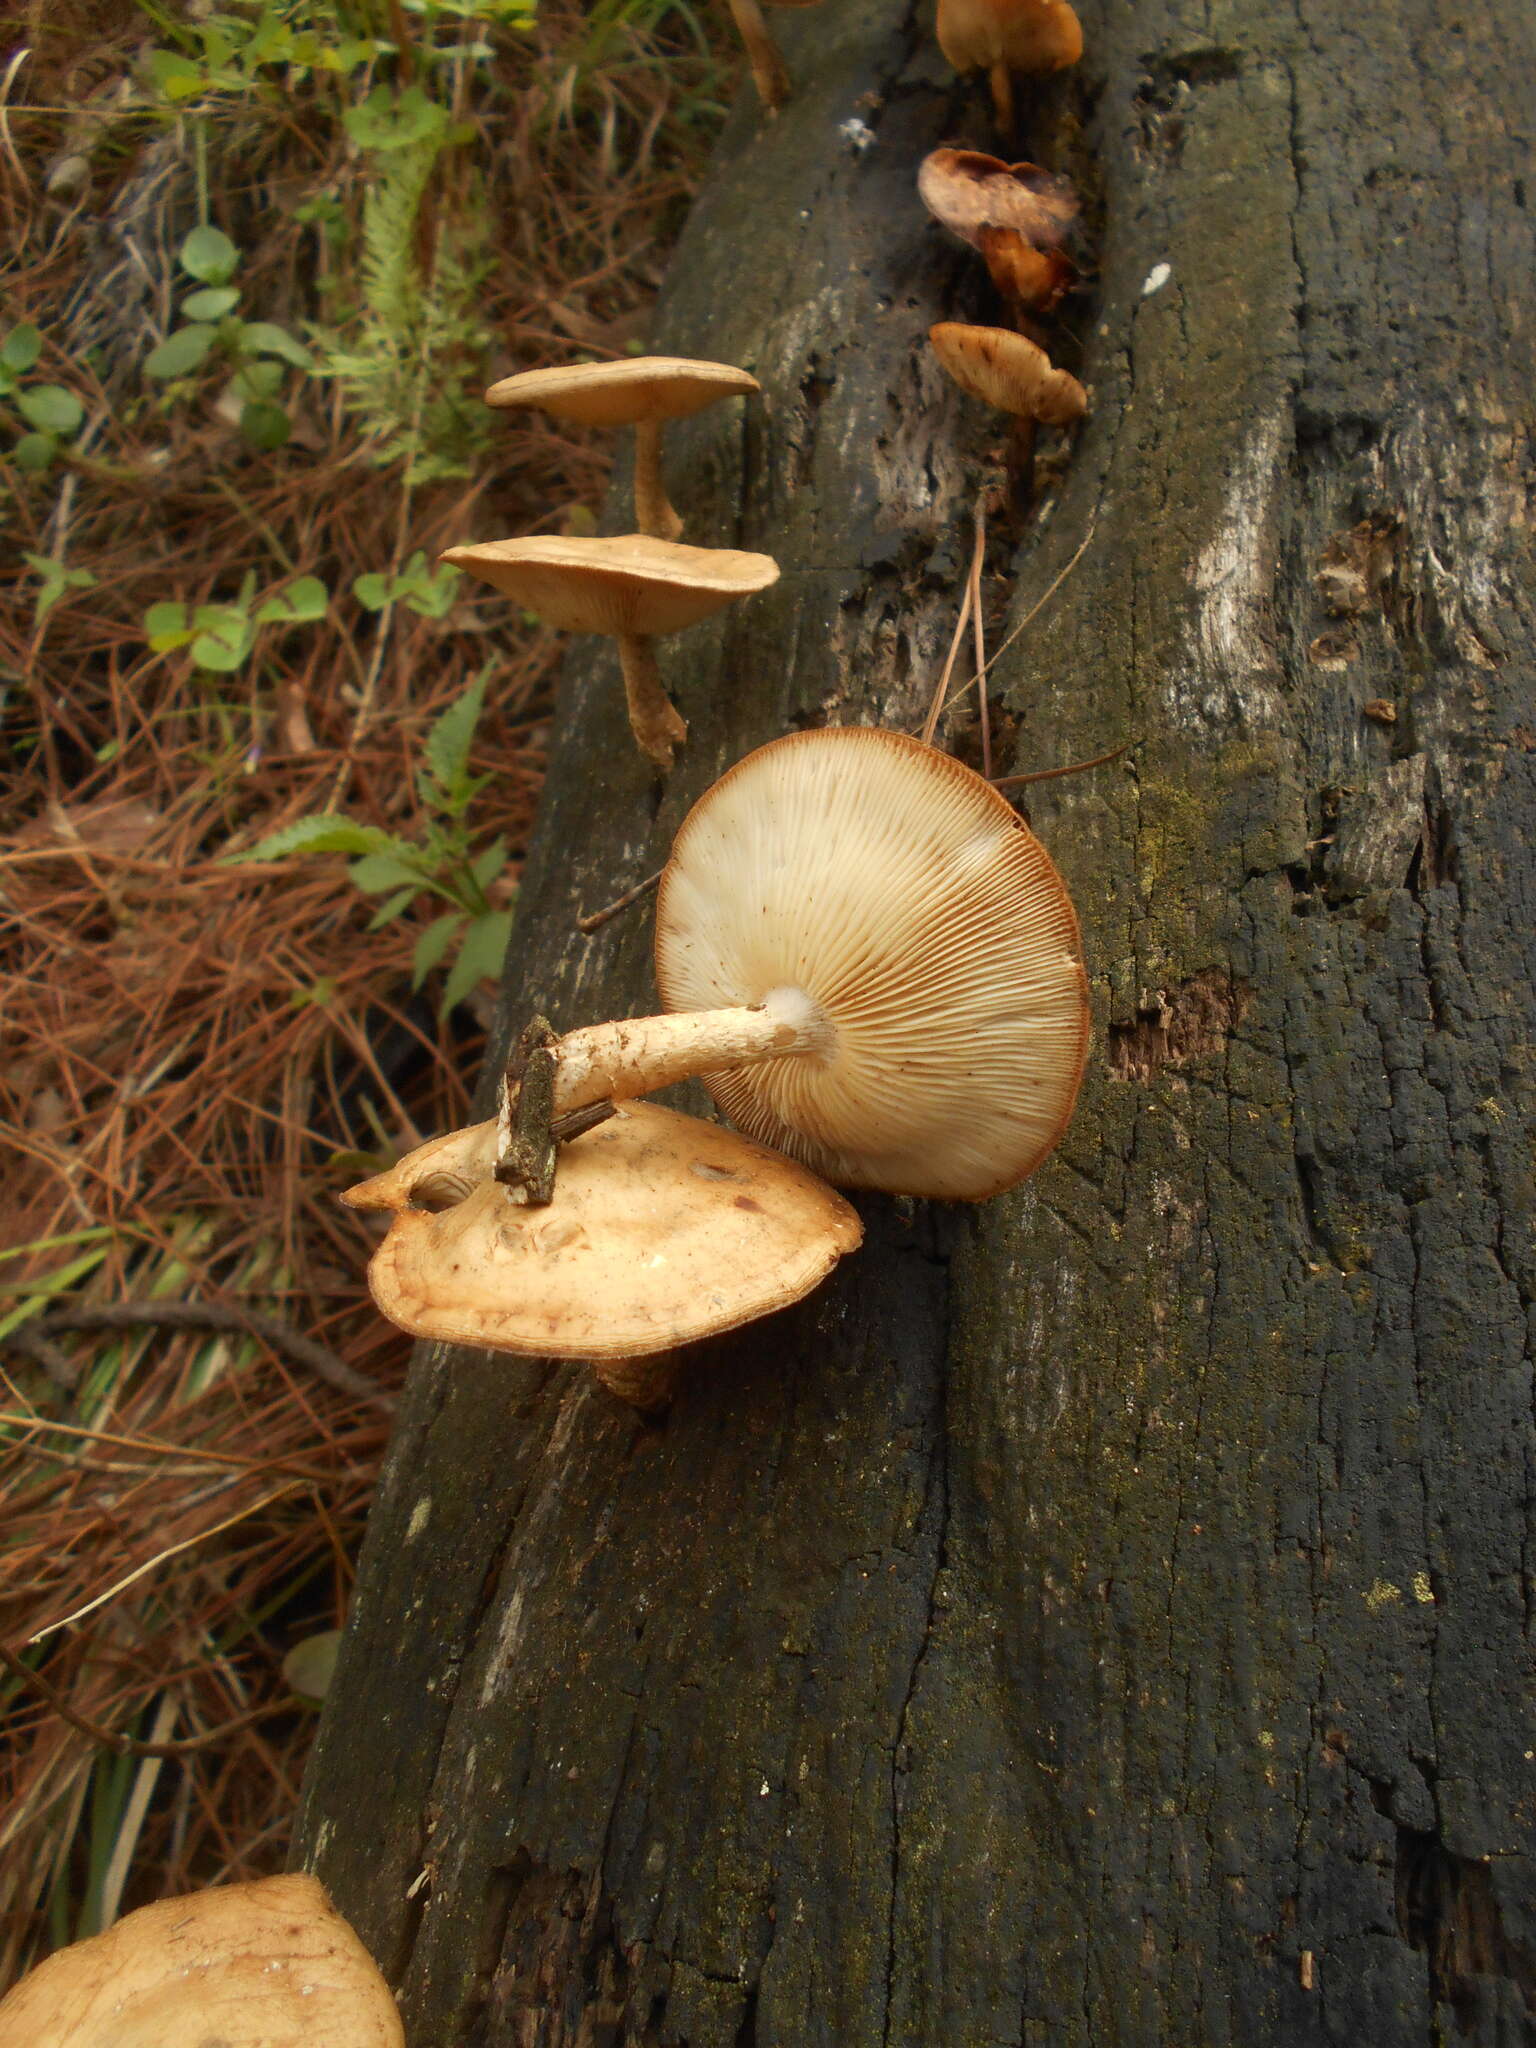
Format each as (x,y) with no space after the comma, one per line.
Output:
(421,1514)
(1156,278)
(858,134)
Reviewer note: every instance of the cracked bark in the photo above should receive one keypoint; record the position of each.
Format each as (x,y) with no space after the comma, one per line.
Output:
(1105,1615)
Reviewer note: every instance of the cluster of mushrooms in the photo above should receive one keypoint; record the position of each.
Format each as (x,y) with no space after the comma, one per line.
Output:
(859,946)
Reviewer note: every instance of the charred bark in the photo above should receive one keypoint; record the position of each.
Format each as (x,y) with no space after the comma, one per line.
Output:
(1103,1615)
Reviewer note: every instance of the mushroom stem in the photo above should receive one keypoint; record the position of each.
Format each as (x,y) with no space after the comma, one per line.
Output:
(654,510)
(657,727)
(645,1383)
(1002,97)
(640,1054)
(768,72)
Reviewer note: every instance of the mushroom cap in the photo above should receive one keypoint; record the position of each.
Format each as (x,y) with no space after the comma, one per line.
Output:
(927,924)
(664,1229)
(265,1965)
(968,191)
(631,584)
(624,393)
(1007,370)
(1026,35)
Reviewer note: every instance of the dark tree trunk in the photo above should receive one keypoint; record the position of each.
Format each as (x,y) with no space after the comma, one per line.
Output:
(1102,1616)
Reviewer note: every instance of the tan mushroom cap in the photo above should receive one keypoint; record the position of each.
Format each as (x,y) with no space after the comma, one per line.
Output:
(902,895)
(1007,370)
(969,192)
(664,1229)
(266,1965)
(625,393)
(632,584)
(1024,35)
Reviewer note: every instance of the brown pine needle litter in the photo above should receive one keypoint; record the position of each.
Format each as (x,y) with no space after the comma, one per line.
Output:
(194,1056)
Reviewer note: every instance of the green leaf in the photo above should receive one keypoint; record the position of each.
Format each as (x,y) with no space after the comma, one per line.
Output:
(212,303)
(257,378)
(181,351)
(34,451)
(177,77)
(167,628)
(450,738)
(480,956)
(389,911)
(433,591)
(373,591)
(262,338)
(224,648)
(386,120)
(376,872)
(306,598)
(264,425)
(50,408)
(56,580)
(21,348)
(433,945)
(324,832)
(308,1666)
(488,863)
(209,255)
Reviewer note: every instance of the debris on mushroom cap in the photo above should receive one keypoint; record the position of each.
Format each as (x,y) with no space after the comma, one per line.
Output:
(623,393)
(663,1229)
(969,191)
(1024,35)
(912,906)
(265,1965)
(1008,370)
(632,584)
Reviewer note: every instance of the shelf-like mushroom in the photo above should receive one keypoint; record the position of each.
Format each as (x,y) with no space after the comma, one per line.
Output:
(270,1963)
(768,72)
(1016,216)
(663,1230)
(642,392)
(1004,36)
(632,588)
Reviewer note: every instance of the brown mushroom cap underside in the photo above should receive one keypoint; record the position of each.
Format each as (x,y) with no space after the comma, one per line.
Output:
(1008,370)
(631,583)
(664,1229)
(927,923)
(1026,35)
(622,394)
(969,192)
(264,1965)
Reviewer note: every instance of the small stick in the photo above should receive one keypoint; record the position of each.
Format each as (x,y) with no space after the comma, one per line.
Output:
(978,628)
(596,918)
(129,1745)
(1045,774)
(525,1144)
(936,708)
(577,1122)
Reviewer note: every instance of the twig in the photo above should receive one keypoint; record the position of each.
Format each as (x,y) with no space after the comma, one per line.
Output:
(1039,606)
(595,918)
(129,1745)
(978,628)
(217,1315)
(935,709)
(1072,768)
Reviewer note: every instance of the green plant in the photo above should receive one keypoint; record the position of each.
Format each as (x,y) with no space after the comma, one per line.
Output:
(228,53)
(428,592)
(210,322)
(56,578)
(221,636)
(53,414)
(443,862)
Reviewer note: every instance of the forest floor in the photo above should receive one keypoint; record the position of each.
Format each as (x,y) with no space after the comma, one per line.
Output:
(262,263)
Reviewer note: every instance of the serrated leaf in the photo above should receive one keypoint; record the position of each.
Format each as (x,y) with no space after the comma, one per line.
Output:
(265,425)
(21,348)
(376,872)
(262,338)
(212,303)
(181,351)
(450,737)
(390,910)
(433,945)
(489,862)
(324,832)
(209,255)
(34,451)
(50,409)
(480,957)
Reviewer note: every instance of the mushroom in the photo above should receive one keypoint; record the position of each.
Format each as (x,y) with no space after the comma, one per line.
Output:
(663,1230)
(631,588)
(1016,215)
(1004,36)
(641,392)
(265,1965)
(768,73)
(1014,374)
(873,964)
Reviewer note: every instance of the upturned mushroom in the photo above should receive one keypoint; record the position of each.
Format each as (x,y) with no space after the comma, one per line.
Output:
(768,72)
(1016,216)
(642,392)
(632,588)
(264,1965)
(1004,36)
(663,1230)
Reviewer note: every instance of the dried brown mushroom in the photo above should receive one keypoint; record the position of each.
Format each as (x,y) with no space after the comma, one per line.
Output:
(1016,215)
(1008,371)
(663,1230)
(265,1965)
(1004,36)
(631,588)
(768,73)
(642,392)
